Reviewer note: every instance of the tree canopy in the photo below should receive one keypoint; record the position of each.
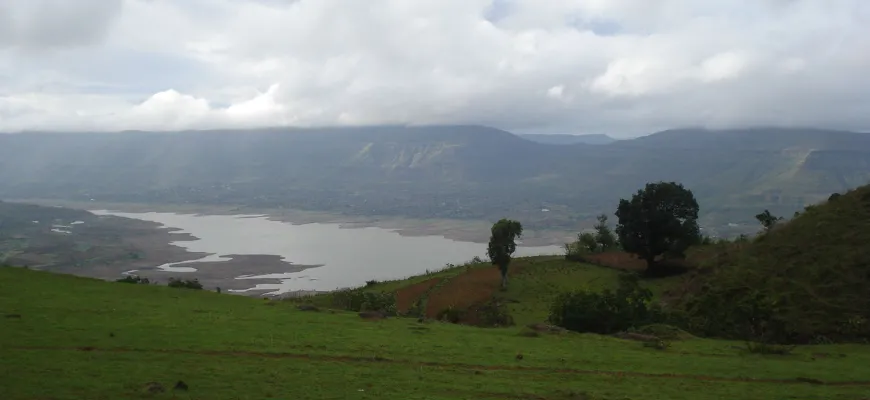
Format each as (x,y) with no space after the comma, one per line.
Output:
(502,244)
(661,218)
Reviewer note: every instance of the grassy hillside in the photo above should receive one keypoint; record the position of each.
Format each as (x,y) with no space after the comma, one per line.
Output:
(67,337)
(809,276)
(453,172)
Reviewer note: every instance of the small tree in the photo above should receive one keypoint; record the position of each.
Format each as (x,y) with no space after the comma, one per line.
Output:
(502,244)
(767,220)
(660,218)
(603,235)
(587,242)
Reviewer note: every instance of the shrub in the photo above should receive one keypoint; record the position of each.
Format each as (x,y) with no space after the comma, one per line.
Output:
(358,300)
(494,314)
(135,279)
(185,283)
(371,283)
(450,314)
(608,311)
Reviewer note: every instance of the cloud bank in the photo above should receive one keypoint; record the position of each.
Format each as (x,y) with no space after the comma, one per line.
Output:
(622,67)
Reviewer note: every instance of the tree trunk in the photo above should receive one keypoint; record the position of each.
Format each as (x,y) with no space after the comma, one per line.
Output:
(504,280)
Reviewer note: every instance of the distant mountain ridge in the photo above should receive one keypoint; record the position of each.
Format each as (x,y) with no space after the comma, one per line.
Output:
(568,138)
(470,172)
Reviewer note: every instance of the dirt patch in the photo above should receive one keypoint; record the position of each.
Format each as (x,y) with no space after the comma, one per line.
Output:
(464,291)
(407,296)
(467,291)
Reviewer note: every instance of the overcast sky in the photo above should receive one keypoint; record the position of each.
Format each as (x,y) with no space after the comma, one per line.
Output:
(621,67)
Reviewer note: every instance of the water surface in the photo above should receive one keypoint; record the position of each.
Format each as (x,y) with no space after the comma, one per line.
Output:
(349,256)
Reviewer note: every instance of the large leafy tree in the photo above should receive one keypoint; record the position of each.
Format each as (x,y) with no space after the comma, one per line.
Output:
(661,218)
(502,244)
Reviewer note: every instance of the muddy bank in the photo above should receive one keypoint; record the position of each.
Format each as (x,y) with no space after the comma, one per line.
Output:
(223,274)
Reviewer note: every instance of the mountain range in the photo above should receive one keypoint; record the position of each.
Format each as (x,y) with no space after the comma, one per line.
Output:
(567,138)
(464,172)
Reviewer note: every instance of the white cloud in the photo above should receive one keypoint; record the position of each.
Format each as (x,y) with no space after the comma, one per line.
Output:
(599,66)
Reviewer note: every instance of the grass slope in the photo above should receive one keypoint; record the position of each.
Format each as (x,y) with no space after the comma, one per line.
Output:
(65,337)
(815,268)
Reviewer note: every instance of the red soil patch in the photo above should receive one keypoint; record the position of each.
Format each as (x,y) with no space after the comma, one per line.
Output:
(465,291)
(407,296)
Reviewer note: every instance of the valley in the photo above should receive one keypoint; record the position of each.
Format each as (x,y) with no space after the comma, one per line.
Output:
(466,173)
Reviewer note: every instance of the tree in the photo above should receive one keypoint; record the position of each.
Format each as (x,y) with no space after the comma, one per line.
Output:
(502,244)
(767,220)
(603,235)
(660,218)
(587,242)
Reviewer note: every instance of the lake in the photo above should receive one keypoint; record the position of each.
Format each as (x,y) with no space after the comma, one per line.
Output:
(346,256)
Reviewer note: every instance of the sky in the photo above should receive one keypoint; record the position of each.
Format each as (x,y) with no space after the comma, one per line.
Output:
(618,67)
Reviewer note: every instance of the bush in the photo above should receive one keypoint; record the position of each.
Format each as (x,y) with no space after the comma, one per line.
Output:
(371,283)
(135,279)
(450,314)
(494,314)
(608,311)
(358,300)
(185,283)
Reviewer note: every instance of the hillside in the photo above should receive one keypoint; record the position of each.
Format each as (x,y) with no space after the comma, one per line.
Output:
(113,340)
(465,172)
(808,278)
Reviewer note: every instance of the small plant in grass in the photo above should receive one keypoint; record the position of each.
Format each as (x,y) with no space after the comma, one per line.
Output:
(135,279)
(658,344)
(769,348)
(185,283)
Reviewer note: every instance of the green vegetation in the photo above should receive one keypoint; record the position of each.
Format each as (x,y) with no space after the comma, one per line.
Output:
(661,218)
(768,220)
(125,341)
(135,279)
(502,245)
(804,282)
(629,307)
(185,283)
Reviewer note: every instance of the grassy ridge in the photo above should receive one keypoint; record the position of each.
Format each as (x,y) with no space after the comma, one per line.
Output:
(81,338)
(811,273)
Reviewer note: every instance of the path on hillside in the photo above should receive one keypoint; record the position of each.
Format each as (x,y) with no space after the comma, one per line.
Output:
(358,359)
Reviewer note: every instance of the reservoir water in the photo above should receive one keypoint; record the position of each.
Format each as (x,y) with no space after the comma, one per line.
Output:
(348,256)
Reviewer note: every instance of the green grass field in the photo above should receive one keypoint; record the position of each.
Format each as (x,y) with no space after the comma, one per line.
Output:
(64,337)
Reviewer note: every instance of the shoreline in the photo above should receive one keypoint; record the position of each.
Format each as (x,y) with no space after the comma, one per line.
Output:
(474,231)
